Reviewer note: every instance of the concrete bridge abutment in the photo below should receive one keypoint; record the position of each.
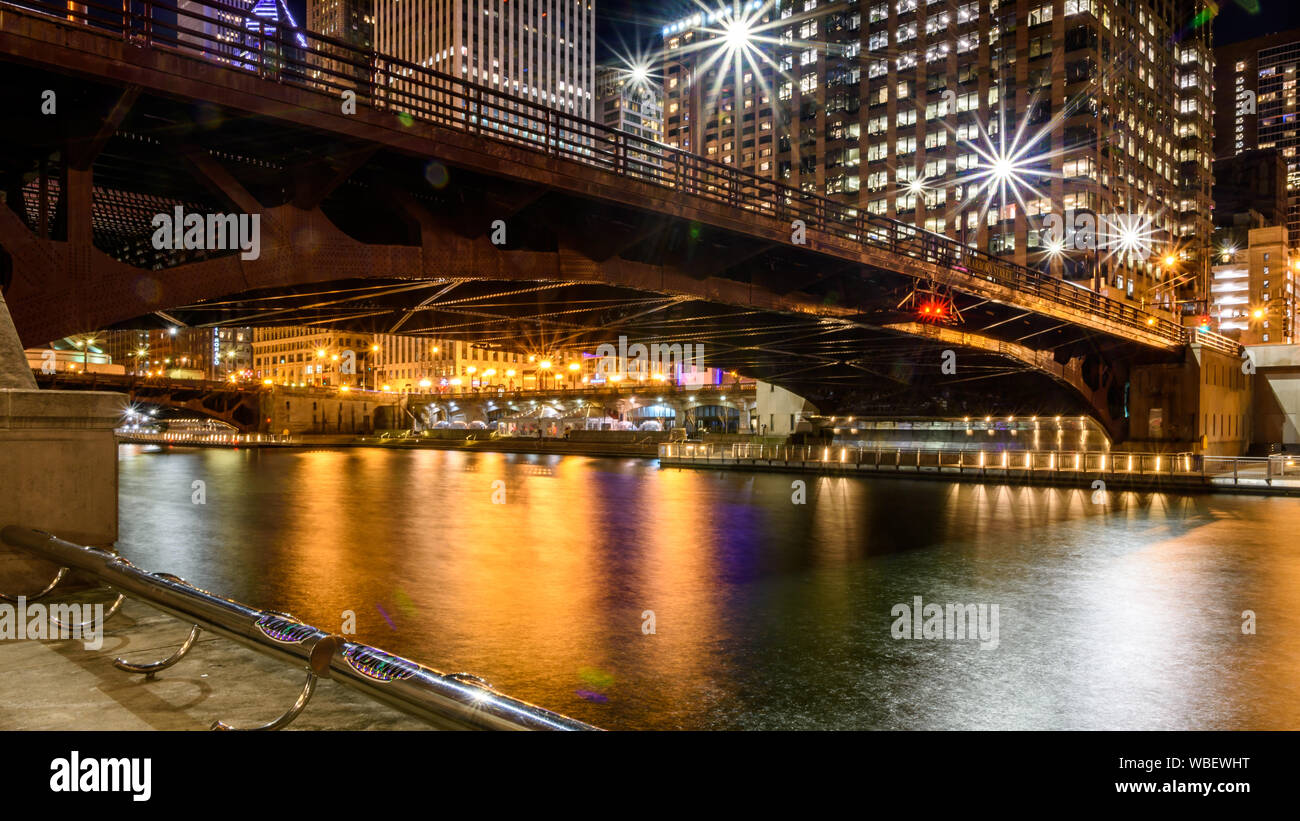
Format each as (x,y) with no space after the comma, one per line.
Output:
(300,411)
(1277,394)
(58,463)
(1204,404)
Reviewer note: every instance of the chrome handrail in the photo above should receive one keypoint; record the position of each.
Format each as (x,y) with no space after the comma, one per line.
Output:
(455,701)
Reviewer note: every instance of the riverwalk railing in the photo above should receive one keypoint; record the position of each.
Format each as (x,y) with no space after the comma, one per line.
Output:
(204,438)
(444,700)
(1009,462)
(238,38)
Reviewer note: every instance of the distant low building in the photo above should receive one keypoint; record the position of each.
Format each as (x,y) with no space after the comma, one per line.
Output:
(1252,288)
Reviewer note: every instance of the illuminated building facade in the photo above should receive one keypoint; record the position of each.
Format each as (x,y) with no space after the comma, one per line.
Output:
(919,110)
(541,50)
(309,356)
(188,353)
(1255,91)
(233,38)
(1252,295)
(351,21)
(413,364)
(629,103)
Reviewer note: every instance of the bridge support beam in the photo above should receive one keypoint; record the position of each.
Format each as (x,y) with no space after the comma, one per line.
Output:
(1277,394)
(58,463)
(307,411)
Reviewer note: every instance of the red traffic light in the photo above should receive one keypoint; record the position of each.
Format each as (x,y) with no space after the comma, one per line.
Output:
(933,310)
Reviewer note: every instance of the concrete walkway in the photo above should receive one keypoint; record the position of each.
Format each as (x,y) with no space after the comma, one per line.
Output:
(59,685)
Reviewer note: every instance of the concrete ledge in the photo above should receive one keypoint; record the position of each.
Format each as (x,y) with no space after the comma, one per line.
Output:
(69,410)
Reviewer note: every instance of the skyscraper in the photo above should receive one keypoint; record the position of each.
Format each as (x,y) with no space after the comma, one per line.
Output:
(980,120)
(1255,106)
(352,22)
(540,50)
(631,102)
(247,43)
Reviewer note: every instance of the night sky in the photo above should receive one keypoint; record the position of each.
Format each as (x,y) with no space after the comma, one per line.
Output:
(626,20)
(621,24)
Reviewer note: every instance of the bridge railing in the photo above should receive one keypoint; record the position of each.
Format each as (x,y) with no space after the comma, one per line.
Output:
(236,37)
(629,389)
(1209,339)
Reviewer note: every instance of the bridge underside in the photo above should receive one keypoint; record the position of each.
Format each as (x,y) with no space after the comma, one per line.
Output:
(843,364)
(372,224)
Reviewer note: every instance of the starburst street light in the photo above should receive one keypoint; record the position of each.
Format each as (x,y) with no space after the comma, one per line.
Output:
(735,39)
(736,33)
(1014,167)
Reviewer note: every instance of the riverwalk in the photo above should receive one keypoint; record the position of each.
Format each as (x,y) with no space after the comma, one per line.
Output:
(1151,472)
(512,444)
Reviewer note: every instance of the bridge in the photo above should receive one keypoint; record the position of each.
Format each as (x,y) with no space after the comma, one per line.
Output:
(275,409)
(438,205)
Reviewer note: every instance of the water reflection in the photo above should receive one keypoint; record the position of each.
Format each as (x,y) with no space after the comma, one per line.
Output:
(768,614)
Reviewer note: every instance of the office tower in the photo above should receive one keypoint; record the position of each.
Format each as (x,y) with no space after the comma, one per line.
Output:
(1255,106)
(631,102)
(349,21)
(1247,181)
(263,43)
(540,50)
(918,110)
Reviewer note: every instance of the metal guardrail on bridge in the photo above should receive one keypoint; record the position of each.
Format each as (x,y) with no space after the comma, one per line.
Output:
(314,62)
(448,701)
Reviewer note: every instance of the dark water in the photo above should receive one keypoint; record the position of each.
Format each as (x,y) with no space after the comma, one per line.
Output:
(768,614)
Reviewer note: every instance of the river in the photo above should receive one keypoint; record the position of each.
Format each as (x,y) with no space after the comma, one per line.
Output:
(545,574)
